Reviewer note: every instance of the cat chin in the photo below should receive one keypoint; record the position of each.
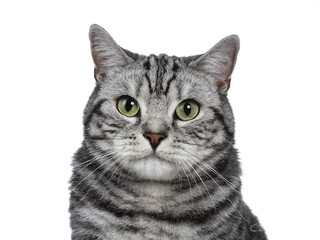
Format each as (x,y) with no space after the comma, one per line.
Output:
(154,168)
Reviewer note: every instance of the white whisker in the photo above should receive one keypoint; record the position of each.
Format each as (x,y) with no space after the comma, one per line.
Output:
(228,199)
(182,167)
(205,186)
(91,173)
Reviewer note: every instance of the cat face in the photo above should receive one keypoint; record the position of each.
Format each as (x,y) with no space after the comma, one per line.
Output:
(158,117)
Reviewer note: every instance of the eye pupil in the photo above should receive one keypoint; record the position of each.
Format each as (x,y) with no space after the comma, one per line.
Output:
(187,109)
(129,104)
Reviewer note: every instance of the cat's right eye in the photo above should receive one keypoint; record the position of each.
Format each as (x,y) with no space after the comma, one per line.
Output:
(128,106)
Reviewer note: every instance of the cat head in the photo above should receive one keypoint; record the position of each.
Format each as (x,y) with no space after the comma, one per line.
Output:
(156,117)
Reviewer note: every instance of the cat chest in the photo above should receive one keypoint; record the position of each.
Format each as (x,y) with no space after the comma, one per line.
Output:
(151,231)
(138,227)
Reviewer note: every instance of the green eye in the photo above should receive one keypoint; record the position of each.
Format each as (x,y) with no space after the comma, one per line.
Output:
(187,110)
(128,106)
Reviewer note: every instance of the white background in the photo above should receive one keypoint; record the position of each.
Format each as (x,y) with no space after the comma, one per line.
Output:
(46,77)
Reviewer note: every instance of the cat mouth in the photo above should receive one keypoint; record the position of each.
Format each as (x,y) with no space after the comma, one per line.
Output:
(154,167)
(156,157)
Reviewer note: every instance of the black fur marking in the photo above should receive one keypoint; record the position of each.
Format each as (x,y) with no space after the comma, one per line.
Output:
(110,131)
(175,67)
(84,224)
(139,87)
(86,236)
(129,228)
(219,116)
(149,82)
(190,216)
(96,137)
(168,84)
(95,110)
(146,65)
(114,125)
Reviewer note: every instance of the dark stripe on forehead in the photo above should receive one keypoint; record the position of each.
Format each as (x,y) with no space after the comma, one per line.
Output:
(173,65)
(176,65)
(147,75)
(146,65)
(160,71)
(149,82)
(168,84)
(150,74)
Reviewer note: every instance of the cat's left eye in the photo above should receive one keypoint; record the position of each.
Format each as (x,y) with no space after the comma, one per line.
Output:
(128,106)
(187,110)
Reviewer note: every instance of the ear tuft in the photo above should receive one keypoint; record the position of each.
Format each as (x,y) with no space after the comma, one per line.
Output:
(219,61)
(106,53)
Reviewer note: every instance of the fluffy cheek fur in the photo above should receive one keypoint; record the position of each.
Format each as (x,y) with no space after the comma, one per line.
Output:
(177,155)
(136,156)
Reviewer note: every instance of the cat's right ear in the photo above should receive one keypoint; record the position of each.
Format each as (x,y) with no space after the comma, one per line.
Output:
(106,53)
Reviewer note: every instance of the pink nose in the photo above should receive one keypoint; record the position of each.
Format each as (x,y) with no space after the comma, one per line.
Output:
(155,139)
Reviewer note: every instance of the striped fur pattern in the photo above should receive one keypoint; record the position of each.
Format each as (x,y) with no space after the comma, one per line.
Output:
(189,188)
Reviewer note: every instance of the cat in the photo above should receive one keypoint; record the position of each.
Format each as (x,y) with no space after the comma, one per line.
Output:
(158,160)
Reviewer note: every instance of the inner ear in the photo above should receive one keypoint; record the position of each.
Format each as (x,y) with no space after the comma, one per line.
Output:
(223,86)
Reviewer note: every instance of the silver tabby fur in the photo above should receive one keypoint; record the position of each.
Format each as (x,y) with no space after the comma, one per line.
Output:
(189,188)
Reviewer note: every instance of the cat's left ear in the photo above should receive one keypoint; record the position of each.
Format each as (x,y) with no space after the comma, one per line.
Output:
(106,53)
(219,61)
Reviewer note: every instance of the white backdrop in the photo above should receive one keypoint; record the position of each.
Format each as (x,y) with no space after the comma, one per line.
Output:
(46,77)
